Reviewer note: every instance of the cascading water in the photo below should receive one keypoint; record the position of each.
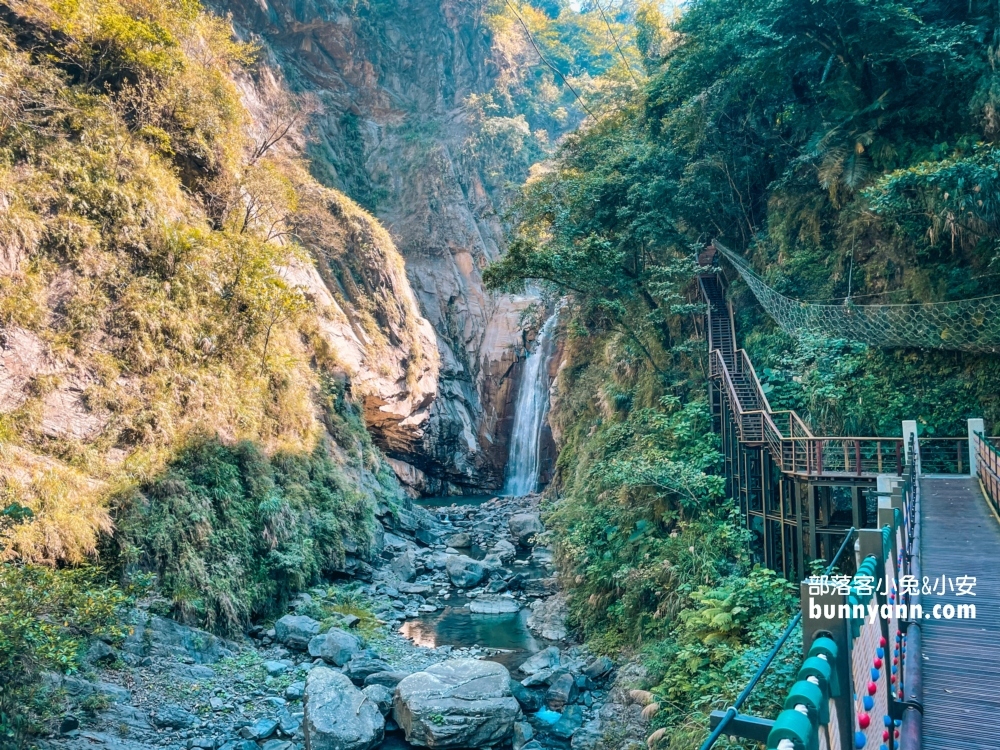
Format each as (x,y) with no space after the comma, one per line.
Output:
(523,461)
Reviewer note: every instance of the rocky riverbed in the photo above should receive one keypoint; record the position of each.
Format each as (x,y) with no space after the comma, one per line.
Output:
(467,648)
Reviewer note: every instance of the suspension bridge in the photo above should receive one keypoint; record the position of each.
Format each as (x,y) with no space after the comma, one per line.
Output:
(899,636)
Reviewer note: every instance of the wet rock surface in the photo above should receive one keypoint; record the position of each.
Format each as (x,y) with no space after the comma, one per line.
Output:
(490,681)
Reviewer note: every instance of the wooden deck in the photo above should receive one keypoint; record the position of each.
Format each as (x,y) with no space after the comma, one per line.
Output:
(961,661)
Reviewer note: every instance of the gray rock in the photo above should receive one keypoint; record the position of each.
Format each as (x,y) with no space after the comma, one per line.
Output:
(544,659)
(201,743)
(588,736)
(529,700)
(458,703)
(192,672)
(388,679)
(459,540)
(77,687)
(100,652)
(336,647)
(560,692)
(523,734)
(157,636)
(570,721)
(505,550)
(361,667)
(598,667)
(404,567)
(426,536)
(275,667)
(465,572)
(259,730)
(295,631)
(338,716)
(240,745)
(68,724)
(524,526)
(171,716)
(277,745)
(295,691)
(494,605)
(548,618)
(381,696)
(289,723)
(543,677)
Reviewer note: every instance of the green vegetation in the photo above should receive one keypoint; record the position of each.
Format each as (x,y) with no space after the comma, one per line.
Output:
(46,615)
(846,148)
(149,229)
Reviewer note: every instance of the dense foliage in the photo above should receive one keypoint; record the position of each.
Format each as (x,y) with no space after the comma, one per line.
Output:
(231,533)
(844,146)
(46,615)
(847,149)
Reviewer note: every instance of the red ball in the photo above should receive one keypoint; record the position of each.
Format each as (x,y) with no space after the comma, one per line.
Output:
(885,736)
(901,695)
(864,720)
(881,642)
(893,678)
(872,688)
(895,660)
(897,734)
(877,662)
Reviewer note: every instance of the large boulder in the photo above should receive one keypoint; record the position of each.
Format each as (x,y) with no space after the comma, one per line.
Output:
(338,716)
(544,659)
(461,703)
(459,540)
(404,567)
(548,617)
(465,572)
(337,647)
(561,691)
(524,526)
(295,631)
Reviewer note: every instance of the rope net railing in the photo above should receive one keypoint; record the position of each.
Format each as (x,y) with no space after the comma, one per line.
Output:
(969,325)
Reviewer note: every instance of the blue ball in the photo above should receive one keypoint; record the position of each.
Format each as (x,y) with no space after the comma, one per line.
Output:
(869,703)
(860,740)
(887,721)
(880,653)
(874,675)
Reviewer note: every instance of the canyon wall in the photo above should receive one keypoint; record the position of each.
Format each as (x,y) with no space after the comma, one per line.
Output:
(396,130)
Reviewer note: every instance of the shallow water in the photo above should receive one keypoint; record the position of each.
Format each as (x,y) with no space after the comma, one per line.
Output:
(457,626)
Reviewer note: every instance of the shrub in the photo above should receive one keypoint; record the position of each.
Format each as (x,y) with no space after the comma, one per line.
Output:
(45,616)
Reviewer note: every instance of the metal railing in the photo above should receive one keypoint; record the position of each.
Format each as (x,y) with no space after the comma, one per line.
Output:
(944,455)
(988,469)
(732,714)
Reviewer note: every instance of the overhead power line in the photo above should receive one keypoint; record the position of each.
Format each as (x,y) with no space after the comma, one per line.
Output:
(550,65)
(615,39)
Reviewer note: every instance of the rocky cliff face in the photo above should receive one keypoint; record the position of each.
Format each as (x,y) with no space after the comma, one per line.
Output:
(397,133)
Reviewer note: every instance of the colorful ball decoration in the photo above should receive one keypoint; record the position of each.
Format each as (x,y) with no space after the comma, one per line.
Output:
(864,720)
(869,703)
(860,740)
(872,688)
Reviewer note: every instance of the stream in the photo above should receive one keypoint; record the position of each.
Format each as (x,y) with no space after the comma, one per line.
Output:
(505,637)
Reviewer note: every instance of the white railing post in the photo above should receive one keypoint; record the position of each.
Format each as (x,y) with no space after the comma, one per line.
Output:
(976,426)
(910,428)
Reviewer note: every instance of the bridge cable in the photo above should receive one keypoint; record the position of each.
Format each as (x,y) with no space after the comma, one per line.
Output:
(967,325)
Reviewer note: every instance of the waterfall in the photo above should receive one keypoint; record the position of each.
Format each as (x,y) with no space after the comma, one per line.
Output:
(523,463)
